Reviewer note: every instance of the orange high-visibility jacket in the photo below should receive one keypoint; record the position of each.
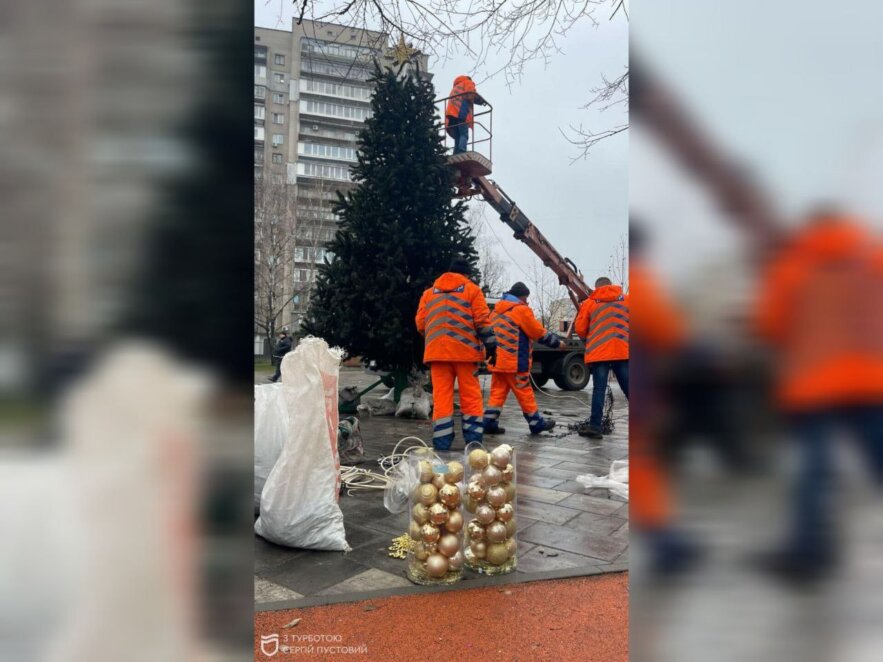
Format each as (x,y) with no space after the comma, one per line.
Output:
(516,328)
(603,322)
(820,308)
(459,109)
(658,324)
(454,318)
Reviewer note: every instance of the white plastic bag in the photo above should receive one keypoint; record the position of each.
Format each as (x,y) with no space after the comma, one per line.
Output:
(270,428)
(617,481)
(383,405)
(299,501)
(414,403)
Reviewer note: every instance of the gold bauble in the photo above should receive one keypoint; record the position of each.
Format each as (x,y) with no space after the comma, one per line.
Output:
(448,544)
(437,565)
(476,491)
(478,548)
(478,459)
(455,472)
(501,455)
(438,514)
(420,513)
(439,481)
(505,512)
(485,514)
(511,547)
(496,496)
(470,504)
(491,476)
(456,561)
(414,530)
(497,554)
(449,495)
(508,473)
(426,494)
(475,530)
(510,528)
(425,470)
(421,551)
(495,532)
(455,522)
(510,490)
(429,533)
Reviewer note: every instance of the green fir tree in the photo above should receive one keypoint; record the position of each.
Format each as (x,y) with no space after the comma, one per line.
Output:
(398,230)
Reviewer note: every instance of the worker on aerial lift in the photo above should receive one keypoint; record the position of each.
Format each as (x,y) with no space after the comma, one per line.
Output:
(455,320)
(516,328)
(458,114)
(603,322)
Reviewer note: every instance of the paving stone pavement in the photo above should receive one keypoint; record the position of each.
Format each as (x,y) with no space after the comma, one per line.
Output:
(561,527)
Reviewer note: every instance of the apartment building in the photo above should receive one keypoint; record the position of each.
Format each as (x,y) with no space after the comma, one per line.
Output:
(311,97)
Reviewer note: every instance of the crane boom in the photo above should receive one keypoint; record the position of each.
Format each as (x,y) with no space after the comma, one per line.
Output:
(525,231)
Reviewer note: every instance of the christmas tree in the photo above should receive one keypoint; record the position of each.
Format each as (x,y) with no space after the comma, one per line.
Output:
(398,230)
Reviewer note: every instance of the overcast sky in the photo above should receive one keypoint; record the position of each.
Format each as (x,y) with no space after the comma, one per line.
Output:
(582,208)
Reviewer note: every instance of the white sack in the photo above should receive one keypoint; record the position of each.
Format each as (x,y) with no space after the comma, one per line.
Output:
(270,428)
(617,481)
(414,403)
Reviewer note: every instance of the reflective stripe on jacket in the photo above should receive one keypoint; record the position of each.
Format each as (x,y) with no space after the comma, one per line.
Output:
(603,322)
(515,328)
(459,108)
(455,320)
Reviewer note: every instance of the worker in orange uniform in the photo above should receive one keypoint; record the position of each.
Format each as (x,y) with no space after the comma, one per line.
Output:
(516,329)
(455,320)
(820,309)
(603,322)
(458,114)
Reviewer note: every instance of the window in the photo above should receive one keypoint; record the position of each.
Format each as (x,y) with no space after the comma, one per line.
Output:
(278,118)
(277,158)
(260,71)
(259,133)
(258,154)
(339,172)
(278,78)
(259,112)
(334,110)
(333,69)
(258,173)
(327,151)
(260,53)
(278,58)
(278,98)
(278,139)
(301,275)
(335,89)
(260,92)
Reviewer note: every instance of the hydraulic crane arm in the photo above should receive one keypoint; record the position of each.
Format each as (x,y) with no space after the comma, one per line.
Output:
(568,275)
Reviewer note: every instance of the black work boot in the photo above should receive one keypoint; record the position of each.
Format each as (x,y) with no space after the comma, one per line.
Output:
(548,424)
(588,430)
(496,430)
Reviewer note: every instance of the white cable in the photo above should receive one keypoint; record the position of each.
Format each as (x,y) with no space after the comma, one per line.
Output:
(356,479)
(587,403)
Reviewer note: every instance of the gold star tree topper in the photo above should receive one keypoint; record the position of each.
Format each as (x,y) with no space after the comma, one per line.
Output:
(402,52)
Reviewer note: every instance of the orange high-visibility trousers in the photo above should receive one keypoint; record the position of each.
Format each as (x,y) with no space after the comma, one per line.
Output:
(519,384)
(444,373)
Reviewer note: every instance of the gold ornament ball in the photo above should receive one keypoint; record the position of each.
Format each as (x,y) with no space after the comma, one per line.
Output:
(421,551)
(437,565)
(478,459)
(476,491)
(420,513)
(491,476)
(456,561)
(449,495)
(425,470)
(475,530)
(414,531)
(438,514)
(469,503)
(478,548)
(448,544)
(455,472)
(429,533)
(505,512)
(511,547)
(501,455)
(497,554)
(496,496)
(485,514)
(439,481)
(455,522)
(510,528)
(508,473)
(496,532)
(426,494)
(510,491)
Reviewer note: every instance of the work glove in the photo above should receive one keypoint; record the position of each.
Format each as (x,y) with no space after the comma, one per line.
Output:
(491,354)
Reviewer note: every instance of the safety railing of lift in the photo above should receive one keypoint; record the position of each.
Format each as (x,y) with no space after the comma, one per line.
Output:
(482,131)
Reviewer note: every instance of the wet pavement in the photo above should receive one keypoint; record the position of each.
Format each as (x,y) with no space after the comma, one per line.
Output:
(564,530)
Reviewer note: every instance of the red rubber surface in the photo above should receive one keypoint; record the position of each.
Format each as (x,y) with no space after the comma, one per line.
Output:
(583,618)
